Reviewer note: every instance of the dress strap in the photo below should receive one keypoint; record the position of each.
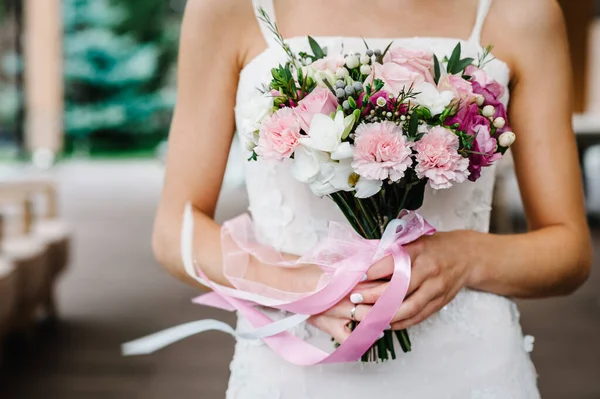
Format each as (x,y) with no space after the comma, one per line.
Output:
(268,8)
(482,12)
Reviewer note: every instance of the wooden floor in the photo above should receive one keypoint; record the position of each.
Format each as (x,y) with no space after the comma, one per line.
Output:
(115,292)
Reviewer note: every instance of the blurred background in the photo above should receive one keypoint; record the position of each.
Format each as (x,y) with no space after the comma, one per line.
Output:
(87,89)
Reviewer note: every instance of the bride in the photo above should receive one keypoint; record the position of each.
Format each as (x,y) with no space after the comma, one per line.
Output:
(467,341)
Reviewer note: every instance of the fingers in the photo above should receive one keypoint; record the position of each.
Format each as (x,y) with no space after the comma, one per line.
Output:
(381,269)
(368,294)
(343,310)
(426,312)
(417,302)
(336,327)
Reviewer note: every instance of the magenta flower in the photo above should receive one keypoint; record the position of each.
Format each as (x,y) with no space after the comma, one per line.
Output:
(484,151)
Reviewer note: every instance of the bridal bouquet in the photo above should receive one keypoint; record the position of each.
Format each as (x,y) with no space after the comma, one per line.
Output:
(370,130)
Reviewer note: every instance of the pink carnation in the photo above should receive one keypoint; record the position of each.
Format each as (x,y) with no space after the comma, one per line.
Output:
(416,60)
(279,135)
(319,101)
(438,159)
(462,89)
(381,151)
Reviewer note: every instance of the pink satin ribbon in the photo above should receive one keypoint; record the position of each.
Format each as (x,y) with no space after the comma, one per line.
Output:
(345,275)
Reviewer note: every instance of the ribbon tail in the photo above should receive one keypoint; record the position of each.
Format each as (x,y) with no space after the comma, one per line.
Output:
(154,342)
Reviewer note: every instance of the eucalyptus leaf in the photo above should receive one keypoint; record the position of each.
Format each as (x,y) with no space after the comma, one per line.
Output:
(316,48)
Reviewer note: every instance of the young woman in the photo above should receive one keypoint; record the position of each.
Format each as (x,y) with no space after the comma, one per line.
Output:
(467,341)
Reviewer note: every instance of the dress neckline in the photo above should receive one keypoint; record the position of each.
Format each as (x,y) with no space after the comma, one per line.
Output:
(268,48)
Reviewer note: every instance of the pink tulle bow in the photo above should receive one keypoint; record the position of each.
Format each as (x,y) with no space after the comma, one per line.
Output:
(344,257)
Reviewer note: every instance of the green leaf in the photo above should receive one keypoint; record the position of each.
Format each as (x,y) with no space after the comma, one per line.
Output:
(454,58)
(365,42)
(425,112)
(329,86)
(253,157)
(386,50)
(352,102)
(413,125)
(462,64)
(437,70)
(316,48)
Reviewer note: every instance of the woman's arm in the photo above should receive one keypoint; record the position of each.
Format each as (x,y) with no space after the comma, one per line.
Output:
(210,58)
(554,257)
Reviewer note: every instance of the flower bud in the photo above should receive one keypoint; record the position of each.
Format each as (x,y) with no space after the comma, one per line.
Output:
(365,69)
(479,100)
(341,72)
(499,122)
(488,111)
(364,59)
(381,102)
(321,76)
(506,139)
(250,145)
(352,61)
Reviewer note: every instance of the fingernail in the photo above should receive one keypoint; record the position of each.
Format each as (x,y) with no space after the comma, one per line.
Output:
(389,327)
(364,278)
(381,335)
(356,298)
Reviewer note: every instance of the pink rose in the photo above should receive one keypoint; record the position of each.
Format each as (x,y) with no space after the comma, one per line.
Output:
(331,63)
(462,89)
(438,159)
(495,89)
(396,77)
(319,101)
(484,151)
(381,151)
(419,61)
(278,136)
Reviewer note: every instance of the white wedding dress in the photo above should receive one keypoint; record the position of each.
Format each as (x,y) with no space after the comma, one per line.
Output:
(472,349)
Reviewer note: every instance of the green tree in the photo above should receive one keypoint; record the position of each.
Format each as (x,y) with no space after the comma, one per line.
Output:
(117,58)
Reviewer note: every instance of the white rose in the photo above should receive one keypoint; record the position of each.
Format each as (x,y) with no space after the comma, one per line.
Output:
(251,113)
(429,97)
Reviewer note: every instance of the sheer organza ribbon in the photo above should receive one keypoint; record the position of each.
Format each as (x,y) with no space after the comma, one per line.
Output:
(344,257)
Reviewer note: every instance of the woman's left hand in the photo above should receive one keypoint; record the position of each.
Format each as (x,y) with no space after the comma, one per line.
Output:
(440,268)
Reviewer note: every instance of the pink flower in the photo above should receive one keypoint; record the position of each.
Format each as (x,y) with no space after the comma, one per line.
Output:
(279,135)
(485,82)
(484,151)
(381,151)
(331,63)
(396,77)
(438,159)
(319,101)
(419,61)
(462,89)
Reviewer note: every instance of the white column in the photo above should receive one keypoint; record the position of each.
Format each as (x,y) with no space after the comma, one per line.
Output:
(43,75)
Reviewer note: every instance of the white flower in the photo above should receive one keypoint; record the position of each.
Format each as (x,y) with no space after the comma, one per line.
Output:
(364,59)
(341,72)
(251,113)
(325,134)
(366,188)
(507,139)
(528,341)
(479,100)
(323,175)
(429,97)
(326,75)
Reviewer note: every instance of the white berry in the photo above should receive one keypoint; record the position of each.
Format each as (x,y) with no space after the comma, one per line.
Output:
(488,111)
(352,61)
(507,139)
(499,122)
(479,100)
(365,69)
(364,59)
(341,72)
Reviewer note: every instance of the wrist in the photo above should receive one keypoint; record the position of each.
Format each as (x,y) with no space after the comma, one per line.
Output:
(300,279)
(474,251)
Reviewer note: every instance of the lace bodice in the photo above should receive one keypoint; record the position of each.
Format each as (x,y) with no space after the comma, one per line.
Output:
(473,348)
